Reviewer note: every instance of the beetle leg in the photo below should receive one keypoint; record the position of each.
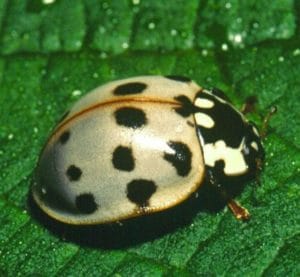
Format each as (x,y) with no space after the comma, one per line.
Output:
(259,167)
(263,131)
(238,211)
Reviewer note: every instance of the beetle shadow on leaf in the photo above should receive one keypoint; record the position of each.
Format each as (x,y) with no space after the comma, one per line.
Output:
(134,231)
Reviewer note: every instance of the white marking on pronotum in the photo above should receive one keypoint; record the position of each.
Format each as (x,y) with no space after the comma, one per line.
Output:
(204,120)
(255,131)
(233,157)
(204,103)
(220,99)
(254,145)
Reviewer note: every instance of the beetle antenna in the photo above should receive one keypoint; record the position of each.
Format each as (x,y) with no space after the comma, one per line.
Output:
(263,131)
(249,105)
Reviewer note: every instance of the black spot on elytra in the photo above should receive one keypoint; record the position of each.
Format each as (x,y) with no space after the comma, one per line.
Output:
(186,108)
(74,173)
(229,125)
(139,191)
(123,158)
(181,159)
(130,117)
(85,203)
(178,78)
(64,137)
(130,88)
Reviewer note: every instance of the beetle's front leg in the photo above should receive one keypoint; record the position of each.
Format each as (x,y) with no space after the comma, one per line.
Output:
(238,211)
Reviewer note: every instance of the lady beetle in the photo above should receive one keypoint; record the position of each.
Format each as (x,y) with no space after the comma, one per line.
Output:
(142,145)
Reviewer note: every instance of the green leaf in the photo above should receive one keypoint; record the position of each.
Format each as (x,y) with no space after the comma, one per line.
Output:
(52,54)
(245,23)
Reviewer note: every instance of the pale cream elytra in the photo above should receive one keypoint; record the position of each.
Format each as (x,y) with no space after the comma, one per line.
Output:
(141,145)
(93,136)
